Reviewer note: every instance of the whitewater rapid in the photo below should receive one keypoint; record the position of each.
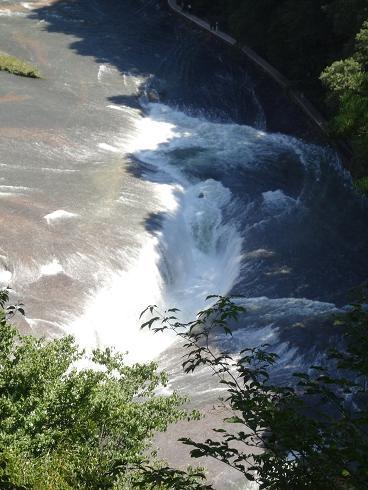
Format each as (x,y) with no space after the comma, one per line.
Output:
(198,238)
(188,252)
(187,205)
(111,203)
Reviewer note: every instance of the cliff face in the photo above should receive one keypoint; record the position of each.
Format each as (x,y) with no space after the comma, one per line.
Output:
(311,41)
(300,38)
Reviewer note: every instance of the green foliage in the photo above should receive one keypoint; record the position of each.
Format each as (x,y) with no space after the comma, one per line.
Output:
(17,66)
(284,437)
(347,81)
(343,76)
(164,477)
(362,185)
(72,422)
(301,38)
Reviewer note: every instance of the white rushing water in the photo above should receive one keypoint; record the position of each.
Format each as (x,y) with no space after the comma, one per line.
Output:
(192,253)
(193,246)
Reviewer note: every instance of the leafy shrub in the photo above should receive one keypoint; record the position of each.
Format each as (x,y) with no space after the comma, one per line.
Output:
(17,66)
(302,435)
(347,82)
(362,185)
(72,422)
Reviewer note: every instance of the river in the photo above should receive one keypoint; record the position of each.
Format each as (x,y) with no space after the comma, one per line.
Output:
(110,201)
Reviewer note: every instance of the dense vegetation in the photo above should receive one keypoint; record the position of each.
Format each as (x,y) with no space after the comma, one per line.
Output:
(301,38)
(68,422)
(312,434)
(17,66)
(72,422)
(347,81)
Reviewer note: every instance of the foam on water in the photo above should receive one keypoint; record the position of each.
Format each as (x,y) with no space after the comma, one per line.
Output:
(277,200)
(105,70)
(5,277)
(10,13)
(107,147)
(199,252)
(15,188)
(8,194)
(57,215)
(27,5)
(59,170)
(115,107)
(191,254)
(51,268)
(111,316)
(195,244)
(225,147)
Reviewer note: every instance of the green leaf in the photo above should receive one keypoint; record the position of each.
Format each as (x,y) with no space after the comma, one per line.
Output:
(234,420)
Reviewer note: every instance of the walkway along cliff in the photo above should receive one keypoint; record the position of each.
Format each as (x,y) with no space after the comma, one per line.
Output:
(297,97)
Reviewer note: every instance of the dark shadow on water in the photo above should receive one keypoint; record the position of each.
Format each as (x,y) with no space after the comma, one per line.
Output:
(143,37)
(143,170)
(126,100)
(154,222)
(306,336)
